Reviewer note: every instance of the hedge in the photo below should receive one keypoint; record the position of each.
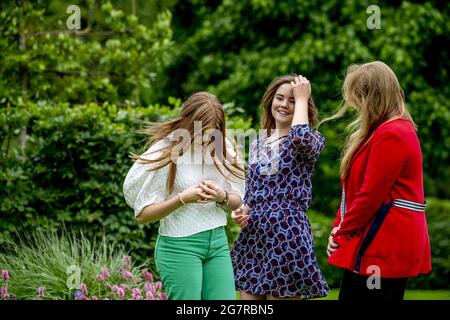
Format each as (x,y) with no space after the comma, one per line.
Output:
(72,170)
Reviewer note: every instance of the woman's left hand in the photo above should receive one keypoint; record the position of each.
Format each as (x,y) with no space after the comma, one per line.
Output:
(211,192)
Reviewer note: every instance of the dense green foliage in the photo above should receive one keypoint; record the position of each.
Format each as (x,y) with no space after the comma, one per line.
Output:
(235,48)
(73,168)
(115,58)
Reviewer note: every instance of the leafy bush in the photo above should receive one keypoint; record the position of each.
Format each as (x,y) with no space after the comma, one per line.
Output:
(72,171)
(321,227)
(115,57)
(73,168)
(438,219)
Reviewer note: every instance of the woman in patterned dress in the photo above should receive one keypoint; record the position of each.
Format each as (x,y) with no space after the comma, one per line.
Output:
(273,256)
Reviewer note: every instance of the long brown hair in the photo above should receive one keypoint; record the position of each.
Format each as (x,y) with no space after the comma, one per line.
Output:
(205,108)
(374,91)
(268,121)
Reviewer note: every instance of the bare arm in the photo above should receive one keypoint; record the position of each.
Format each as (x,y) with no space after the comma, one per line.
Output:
(157,211)
(234,201)
(301,90)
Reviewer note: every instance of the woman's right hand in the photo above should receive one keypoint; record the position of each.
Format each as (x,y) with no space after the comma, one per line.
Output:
(301,88)
(191,194)
(240,216)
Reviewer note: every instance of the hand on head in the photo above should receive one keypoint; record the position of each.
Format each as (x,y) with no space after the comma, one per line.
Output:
(301,88)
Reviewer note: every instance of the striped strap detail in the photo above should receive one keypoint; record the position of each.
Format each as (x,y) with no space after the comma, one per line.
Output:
(343,207)
(410,205)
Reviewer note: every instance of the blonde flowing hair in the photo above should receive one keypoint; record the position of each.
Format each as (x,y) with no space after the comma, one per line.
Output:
(205,108)
(374,91)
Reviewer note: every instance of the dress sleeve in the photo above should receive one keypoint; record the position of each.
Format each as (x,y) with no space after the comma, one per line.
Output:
(306,143)
(142,187)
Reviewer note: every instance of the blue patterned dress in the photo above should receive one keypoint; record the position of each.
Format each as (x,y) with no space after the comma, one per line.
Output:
(274,254)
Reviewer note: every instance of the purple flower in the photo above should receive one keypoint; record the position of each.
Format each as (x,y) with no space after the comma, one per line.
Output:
(5,275)
(94,298)
(163,296)
(136,291)
(41,292)
(100,277)
(124,287)
(149,296)
(158,285)
(78,294)
(105,273)
(115,288)
(107,286)
(105,298)
(128,275)
(136,297)
(148,276)
(121,293)
(84,289)
(149,288)
(4,292)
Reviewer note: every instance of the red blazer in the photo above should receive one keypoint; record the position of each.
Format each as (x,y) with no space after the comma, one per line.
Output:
(387,167)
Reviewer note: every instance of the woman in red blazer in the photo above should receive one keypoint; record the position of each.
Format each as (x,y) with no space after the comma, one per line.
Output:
(380,234)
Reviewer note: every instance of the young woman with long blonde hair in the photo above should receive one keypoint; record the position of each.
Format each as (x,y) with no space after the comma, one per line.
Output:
(380,229)
(187,185)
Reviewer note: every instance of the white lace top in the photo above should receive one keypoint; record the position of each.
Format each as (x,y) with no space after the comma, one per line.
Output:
(142,188)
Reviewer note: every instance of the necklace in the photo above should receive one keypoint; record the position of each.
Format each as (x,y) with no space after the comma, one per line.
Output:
(268,143)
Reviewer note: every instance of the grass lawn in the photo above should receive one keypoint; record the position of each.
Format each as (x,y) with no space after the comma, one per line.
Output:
(409,295)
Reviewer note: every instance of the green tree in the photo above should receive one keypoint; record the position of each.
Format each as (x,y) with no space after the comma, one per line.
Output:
(114,57)
(235,48)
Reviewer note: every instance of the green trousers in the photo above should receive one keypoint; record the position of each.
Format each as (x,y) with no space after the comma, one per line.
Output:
(197,267)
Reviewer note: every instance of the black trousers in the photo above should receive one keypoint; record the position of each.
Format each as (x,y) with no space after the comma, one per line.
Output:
(354,288)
